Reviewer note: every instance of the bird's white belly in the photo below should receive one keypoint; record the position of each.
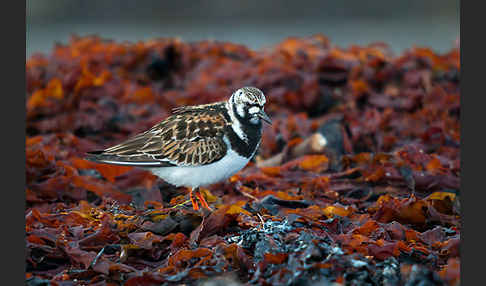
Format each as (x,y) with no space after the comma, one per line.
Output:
(203,175)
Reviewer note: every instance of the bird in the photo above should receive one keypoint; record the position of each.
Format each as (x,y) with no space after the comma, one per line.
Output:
(198,145)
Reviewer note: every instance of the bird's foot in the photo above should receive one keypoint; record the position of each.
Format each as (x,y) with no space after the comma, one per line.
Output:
(195,205)
(201,199)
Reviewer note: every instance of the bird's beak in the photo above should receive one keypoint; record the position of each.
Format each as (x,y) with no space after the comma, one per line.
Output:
(264,117)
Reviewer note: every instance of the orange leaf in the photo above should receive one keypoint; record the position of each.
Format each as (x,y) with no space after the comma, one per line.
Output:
(433,165)
(35,239)
(37,158)
(414,212)
(317,163)
(411,235)
(376,175)
(367,228)
(313,212)
(359,87)
(33,140)
(357,239)
(295,141)
(441,196)
(401,246)
(101,79)
(331,211)
(271,171)
(110,172)
(54,89)
(184,255)
(235,209)
(37,99)
(278,258)
(279,194)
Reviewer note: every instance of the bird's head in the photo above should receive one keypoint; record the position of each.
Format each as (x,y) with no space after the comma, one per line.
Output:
(248,103)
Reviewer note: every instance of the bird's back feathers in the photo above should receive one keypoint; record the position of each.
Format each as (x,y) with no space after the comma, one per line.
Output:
(192,136)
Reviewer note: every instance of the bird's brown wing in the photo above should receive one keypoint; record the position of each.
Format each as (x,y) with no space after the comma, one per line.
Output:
(184,139)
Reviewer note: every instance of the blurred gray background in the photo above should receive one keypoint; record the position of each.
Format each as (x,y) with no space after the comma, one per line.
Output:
(401,24)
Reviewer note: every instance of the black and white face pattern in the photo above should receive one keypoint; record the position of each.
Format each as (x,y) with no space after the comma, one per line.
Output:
(249,104)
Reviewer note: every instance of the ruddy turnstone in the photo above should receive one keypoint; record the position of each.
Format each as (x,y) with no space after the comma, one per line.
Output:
(198,145)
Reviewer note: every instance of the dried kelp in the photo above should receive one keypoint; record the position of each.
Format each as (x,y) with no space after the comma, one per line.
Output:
(356,182)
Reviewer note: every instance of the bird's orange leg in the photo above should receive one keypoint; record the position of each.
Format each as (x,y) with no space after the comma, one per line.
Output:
(202,200)
(195,205)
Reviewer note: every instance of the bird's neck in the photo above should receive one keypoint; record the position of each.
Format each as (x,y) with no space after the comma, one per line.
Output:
(243,135)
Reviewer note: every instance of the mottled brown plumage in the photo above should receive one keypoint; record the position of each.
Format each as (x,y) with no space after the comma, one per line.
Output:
(192,136)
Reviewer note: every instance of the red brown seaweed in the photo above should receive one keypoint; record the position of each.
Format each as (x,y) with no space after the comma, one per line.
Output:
(379,205)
